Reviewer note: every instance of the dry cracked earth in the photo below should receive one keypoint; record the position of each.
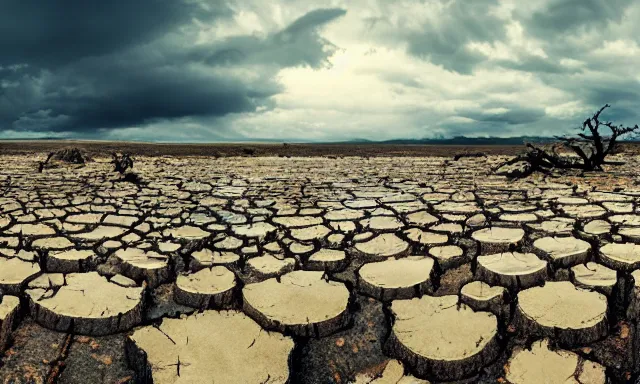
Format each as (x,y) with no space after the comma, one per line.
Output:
(317,270)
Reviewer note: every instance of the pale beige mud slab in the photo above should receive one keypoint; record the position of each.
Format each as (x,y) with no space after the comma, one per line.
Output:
(327,260)
(440,338)
(69,261)
(210,347)
(596,228)
(560,310)
(187,232)
(426,238)
(483,297)
(594,276)
(302,303)
(102,232)
(621,257)
(383,246)
(139,264)
(448,256)
(14,273)
(9,307)
(633,311)
(497,239)
(543,365)
(396,278)
(207,288)
(563,252)
(513,270)
(207,258)
(258,230)
(87,304)
(267,266)
(393,373)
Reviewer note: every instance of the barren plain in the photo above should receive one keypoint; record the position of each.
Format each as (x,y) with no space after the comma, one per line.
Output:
(332,268)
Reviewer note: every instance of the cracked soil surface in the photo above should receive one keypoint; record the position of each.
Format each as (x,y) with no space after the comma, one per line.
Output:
(326,269)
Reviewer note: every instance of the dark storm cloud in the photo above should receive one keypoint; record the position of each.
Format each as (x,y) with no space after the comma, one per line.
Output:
(623,96)
(151,68)
(534,64)
(297,44)
(572,16)
(600,88)
(444,42)
(51,33)
(513,115)
(131,93)
(118,64)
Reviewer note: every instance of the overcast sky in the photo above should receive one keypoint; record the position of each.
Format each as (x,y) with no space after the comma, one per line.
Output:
(207,70)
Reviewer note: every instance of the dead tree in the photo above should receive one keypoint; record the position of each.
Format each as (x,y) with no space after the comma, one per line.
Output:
(121,163)
(43,164)
(591,146)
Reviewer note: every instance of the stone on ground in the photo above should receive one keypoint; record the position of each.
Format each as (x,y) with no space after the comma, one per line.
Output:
(209,347)
(302,303)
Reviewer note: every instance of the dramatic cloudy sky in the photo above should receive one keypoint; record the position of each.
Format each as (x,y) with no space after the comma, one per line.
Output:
(207,70)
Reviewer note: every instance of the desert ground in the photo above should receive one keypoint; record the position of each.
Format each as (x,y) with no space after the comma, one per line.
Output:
(315,264)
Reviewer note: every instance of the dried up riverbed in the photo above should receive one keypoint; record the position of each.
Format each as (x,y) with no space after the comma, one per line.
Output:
(317,270)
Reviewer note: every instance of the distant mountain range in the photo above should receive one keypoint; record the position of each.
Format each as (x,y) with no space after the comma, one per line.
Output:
(461,140)
(458,140)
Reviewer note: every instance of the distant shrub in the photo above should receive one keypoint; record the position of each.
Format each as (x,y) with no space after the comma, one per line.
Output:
(249,151)
(121,162)
(459,156)
(71,155)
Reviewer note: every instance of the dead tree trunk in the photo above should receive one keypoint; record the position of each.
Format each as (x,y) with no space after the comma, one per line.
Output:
(121,163)
(591,147)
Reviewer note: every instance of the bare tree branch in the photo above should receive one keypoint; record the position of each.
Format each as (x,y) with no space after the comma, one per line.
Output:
(591,147)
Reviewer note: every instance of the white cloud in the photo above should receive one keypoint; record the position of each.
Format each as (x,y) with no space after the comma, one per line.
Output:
(409,69)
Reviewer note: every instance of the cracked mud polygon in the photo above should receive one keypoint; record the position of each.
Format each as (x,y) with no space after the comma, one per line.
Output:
(325,269)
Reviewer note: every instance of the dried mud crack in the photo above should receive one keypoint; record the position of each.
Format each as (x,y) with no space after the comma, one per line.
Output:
(317,270)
